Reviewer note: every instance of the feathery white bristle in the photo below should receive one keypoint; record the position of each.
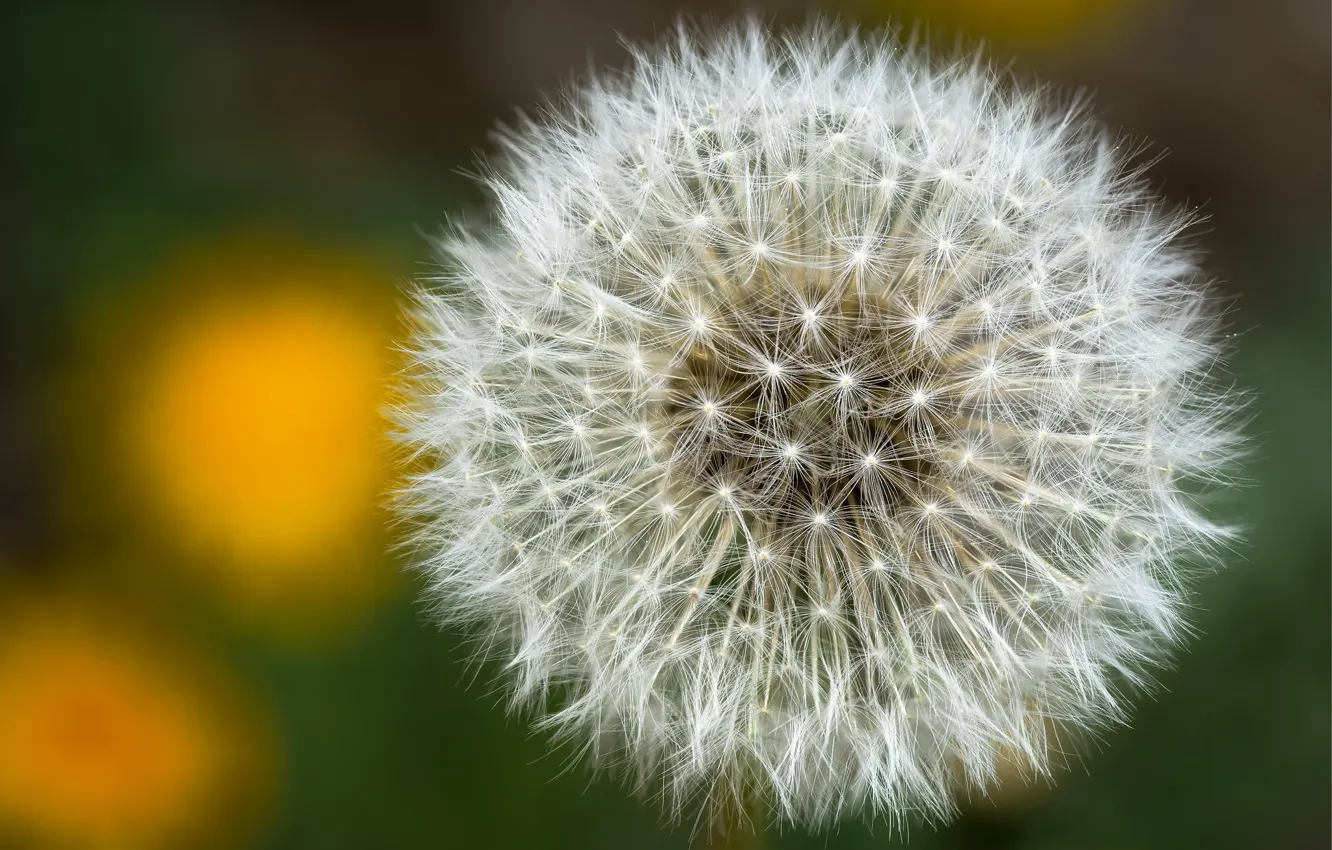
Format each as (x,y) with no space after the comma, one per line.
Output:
(814,422)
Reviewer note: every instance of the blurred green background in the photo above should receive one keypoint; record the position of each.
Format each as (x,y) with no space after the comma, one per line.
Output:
(211,207)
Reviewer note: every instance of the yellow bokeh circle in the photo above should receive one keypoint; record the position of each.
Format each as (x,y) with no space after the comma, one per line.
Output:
(256,434)
(106,742)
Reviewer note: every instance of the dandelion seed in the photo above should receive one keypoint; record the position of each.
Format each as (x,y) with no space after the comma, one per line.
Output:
(855,567)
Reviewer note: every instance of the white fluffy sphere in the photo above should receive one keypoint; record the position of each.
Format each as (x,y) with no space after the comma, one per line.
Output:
(815,422)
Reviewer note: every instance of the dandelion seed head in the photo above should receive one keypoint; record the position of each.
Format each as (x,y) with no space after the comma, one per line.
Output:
(859,529)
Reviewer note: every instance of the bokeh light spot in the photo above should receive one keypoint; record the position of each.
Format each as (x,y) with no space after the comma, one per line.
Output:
(106,743)
(256,434)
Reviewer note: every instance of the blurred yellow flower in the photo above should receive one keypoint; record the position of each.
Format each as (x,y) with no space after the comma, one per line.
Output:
(259,428)
(256,436)
(1027,23)
(106,744)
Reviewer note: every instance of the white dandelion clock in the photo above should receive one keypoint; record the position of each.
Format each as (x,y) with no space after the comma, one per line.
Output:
(816,422)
